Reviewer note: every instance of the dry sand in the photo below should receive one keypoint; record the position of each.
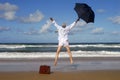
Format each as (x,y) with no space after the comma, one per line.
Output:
(79,75)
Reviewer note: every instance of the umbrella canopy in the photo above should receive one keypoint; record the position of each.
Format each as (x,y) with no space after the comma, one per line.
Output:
(84,12)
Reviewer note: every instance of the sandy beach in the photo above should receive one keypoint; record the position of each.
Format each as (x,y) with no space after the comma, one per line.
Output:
(78,75)
(94,68)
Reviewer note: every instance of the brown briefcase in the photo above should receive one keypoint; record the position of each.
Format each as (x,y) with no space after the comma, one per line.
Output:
(44,69)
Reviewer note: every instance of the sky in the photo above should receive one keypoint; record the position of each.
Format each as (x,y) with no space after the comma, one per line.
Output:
(27,21)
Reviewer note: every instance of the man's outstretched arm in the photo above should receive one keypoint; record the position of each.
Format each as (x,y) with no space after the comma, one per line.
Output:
(55,24)
(74,23)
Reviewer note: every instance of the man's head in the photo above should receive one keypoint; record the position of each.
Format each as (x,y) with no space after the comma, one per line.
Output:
(64,25)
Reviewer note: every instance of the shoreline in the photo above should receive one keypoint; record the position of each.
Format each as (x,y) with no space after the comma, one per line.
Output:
(60,58)
(82,64)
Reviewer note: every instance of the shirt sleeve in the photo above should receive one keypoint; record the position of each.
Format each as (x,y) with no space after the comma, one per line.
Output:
(56,25)
(72,25)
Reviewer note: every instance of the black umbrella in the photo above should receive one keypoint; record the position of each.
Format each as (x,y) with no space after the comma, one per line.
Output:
(84,12)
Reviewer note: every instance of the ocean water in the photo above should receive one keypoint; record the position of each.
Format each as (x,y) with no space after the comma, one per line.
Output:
(48,50)
(44,53)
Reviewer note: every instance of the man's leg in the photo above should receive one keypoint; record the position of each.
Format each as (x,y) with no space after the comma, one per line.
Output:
(57,54)
(70,54)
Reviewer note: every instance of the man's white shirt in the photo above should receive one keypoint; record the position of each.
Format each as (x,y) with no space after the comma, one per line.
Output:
(63,32)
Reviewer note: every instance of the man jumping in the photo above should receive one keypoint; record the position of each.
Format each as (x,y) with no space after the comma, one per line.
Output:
(63,38)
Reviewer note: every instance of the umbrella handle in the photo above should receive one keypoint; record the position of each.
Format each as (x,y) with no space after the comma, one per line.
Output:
(77,20)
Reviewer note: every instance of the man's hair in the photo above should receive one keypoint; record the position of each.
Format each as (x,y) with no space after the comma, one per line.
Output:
(64,25)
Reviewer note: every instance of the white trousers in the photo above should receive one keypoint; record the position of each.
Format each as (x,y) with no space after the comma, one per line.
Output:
(63,43)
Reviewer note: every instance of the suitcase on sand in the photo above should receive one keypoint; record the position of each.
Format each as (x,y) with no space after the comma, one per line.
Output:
(44,69)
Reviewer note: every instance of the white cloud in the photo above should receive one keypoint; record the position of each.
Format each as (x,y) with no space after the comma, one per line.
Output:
(8,11)
(100,10)
(31,33)
(35,17)
(46,26)
(98,31)
(115,19)
(116,33)
(8,7)
(4,28)
(81,23)
(81,26)
(10,15)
